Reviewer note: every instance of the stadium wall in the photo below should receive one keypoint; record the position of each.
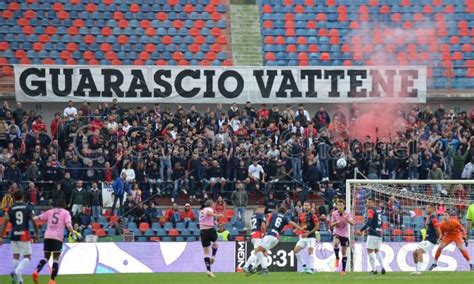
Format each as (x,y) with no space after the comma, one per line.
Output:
(150,257)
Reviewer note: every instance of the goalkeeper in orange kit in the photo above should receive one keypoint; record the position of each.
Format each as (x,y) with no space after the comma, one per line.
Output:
(451,231)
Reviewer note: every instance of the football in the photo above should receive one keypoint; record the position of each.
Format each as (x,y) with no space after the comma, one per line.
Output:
(341,163)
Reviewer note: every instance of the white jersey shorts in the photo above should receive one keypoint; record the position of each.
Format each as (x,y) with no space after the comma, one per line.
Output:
(23,248)
(256,242)
(374,242)
(306,243)
(426,246)
(268,242)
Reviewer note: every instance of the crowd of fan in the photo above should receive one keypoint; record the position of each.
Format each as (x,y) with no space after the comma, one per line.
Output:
(230,153)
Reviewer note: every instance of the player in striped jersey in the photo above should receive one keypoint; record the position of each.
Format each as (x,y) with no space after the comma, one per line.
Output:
(431,239)
(309,221)
(257,221)
(20,216)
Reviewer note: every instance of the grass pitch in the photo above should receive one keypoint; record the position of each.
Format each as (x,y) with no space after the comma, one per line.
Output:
(273,278)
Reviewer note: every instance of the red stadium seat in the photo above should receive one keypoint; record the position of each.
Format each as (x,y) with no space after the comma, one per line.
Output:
(342,18)
(311,25)
(7,14)
(290,32)
(44,38)
(280,40)
(299,9)
(288,2)
(290,24)
(56,7)
(354,25)
(199,24)
(449,9)
(330,3)
(345,48)
(438,2)
(267,24)
(200,39)
(123,24)
(118,15)
(96,226)
(470,72)
(135,8)
(178,24)
(210,9)
(122,39)
(301,40)
(267,9)
(385,9)
(72,46)
(4,45)
(309,2)
(29,14)
(418,17)
(227,62)
(313,48)
(161,62)
(78,23)
(149,47)
(408,25)
(409,232)
(91,8)
(143,227)
(215,47)
(150,32)
(347,62)
(216,32)
(321,17)
(89,39)
(323,32)
(101,233)
(65,54)
(205,62)
(334,40)
(454,40)
(88,55)
(8,71)
(457,56)
(145,23)
(396,232)
(211,56)
(373,2)
(138,62)
(303,56)
(173,2)
(50,30)
(289,17)
(410,239)
(144,56)
(405,2)
(47,61)
(466,47)
(63,15)
(222,40)
(106,31)
(166,39)
(396,17)
(188,8)
(161,16)
(23,22)
(183,62)
(216,16)
(291,48)
(270,56)
(268,40)
(177,55)
(427,9)
(229,213)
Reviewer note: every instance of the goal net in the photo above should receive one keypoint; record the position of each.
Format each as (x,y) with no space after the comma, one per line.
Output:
(402,203)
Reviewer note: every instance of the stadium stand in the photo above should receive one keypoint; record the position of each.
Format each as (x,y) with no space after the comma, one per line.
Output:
(152,32)
(437,34)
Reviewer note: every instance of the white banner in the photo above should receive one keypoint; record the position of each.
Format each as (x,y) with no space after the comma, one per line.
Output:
(168,84)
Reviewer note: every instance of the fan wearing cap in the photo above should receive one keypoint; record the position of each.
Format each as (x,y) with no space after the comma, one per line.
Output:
(187,215)
(451,231)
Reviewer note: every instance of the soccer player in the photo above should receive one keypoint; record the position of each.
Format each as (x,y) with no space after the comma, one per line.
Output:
(340,220)
(57,220)
(431,239)
(19,215)
(257,221)
(309,221)
(208,234)
(451,231)
(275,224)
(469,220)
(373,225)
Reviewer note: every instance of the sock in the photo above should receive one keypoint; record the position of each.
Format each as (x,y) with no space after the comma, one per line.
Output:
(300,259)
(437,255)
(380,259)
(41,264)
(372,261)
(418,266)
(55,270)
(22,265)
(312,260)
(344,263)
(15,263)
(336,252)
(214,251)
(207,261)
(466,255)
(251,261)
(262,260)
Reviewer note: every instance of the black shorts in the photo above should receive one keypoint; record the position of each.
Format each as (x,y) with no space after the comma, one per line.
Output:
(343,240)
(208,236)
(51,245)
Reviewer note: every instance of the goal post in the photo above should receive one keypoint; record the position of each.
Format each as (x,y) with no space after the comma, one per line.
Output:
(402,203)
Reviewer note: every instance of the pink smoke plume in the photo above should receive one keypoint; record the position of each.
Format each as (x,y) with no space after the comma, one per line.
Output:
(381,45)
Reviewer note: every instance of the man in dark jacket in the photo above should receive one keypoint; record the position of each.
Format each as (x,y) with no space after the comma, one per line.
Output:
(95,200)
(240,201)
(67,185)
(12,173)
